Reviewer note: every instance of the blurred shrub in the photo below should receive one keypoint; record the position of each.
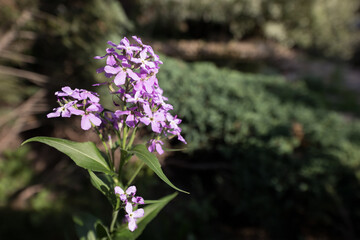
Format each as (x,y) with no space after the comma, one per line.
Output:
(292,163)
(73,33)
(329,26)
(15,173)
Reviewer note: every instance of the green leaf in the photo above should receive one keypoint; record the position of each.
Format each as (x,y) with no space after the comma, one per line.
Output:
(85,154)
(102,231)
(85,226)
(105,187)
(151,211)
(151,160)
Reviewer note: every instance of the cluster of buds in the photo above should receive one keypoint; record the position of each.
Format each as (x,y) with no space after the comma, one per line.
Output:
(129,202)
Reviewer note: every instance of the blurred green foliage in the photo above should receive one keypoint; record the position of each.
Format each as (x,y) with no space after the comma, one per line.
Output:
(15,173)
(292,162)
(73,33)
(328,26)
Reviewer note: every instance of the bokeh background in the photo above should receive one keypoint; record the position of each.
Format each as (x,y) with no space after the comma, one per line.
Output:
(269,94)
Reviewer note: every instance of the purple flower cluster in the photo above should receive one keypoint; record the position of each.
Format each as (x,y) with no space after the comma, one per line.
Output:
(78,102)
(132,69)
(129,202)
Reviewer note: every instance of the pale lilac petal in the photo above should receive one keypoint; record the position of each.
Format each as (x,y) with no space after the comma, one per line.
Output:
(147,110)
(138,40)
(123,197)
(143,54)
(94,119)
(53,114)
(159,148)
(93,98)
(112,70)
(128,208)
(111,43)
(130,121)
(131,190)
(145,120)
(111,60)
(66,113)
(118,190)
(67,90)
(100,57)
(133,75)
(159,116)
(125,42)
(138,200)
(138,213)
(94,108)
(155,127)
(151,147)
(85,122)
(180,138)
(76,111)
(120,78)
(119,113)
(132,224)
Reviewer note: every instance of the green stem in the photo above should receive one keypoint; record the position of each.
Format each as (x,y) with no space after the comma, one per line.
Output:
(110,162)
(113,221)
(135,174)
(123,152)
(132,138)
(125,135)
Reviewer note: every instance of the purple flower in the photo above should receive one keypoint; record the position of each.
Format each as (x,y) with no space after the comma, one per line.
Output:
(156,145)
(142,60)
(130,192)
(145,83)
(125,45)
(153,118)
(136,89)
(136,98)
(64,111)
(138,200)
(121,73)
(110,60)
(173,121)
(89,118)
(85,94)
(131,216)
(68,92)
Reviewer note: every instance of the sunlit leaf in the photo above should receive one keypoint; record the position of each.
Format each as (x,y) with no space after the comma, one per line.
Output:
(153,163)
(85,154)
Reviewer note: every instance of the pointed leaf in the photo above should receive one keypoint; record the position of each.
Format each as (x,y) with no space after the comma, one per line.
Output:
(102,231)
(85,226)
(151,160)
(104,187)
(85,154)
(151,211)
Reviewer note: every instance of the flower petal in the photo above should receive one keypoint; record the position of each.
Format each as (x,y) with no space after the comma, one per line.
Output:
(112,70)
(128,208)
(138,213)
(131,190)
(132,224)
(118,190)
(120,78)
(85,122)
